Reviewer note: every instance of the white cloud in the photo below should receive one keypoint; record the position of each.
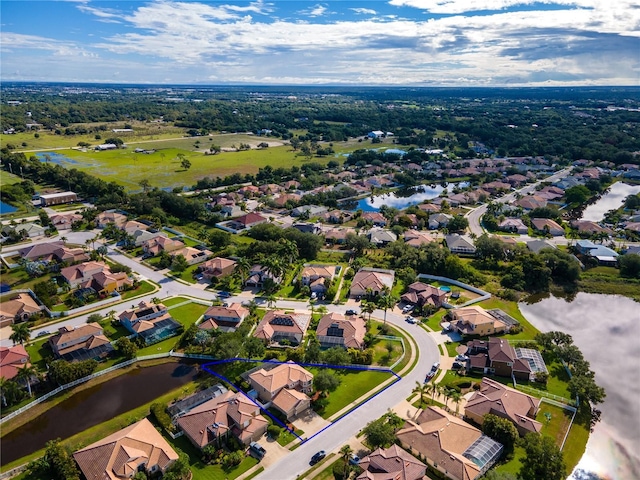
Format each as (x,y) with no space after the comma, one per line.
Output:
(315,11)
(15,41)
(364,11)
(462,6)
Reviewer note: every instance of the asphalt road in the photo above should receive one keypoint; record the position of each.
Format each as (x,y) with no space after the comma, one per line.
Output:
(474,216)
(341,431)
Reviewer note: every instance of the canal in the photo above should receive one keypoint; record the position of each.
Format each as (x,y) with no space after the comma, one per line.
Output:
(95,405)
(611,200)
(604,328)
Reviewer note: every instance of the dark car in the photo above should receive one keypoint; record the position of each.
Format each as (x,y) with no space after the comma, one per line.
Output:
(317,457)
(429,376)
(224,294)
(457,366)
(354,459)
(351,312)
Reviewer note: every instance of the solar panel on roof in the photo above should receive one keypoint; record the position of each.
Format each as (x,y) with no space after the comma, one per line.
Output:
(288,321)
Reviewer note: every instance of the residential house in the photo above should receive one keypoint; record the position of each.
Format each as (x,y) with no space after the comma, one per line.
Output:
(226,414)
(151,322)
(460,244)
(604,255)
(475,320)
(375,218)
(110,216)
(417,238)
(141,237)
(131,226)
(515,225)
(498,399)
(106,282)
(338,235)
(64,221)
(30,229)
(286,386)
(391,463)
(516,180)
(160,243)
(546,225)
(12,359)
(590,228)
(317,277)
(217,267)
(497,356)
(455,448)
(536,245)
(80,343)
(138,447)
(77,274)
(371,281)
(336,330)
(225,319)
(247,221)
(53,251)
(531,202)
(17,308)
(231,210)
(381,237)
(277,326)
(495,187)
(309,210)
(438,220)
(429,207)
(192,255)
(420,294)
(258,274)
(305,227)
(337,216)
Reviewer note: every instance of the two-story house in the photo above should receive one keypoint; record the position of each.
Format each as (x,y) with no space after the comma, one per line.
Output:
(80,343)
(225,319)
(150,322)
(217,267)
(316,277)
(336,330)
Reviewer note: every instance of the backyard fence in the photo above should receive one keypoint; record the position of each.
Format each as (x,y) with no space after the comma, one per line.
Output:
(483,295)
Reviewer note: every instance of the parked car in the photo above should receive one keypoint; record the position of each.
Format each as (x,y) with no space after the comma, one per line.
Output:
(223,294)
(435,366)
(457,366)
(317,457)
(429,376)
(256,450)
(351,312)
(407,308)
(358,298)
(410,319)
(461,358)
(354,459)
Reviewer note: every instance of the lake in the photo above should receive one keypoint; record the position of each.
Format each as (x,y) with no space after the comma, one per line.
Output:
(611,200)
(6,208)
(402,198)
(604,328)
(95,405)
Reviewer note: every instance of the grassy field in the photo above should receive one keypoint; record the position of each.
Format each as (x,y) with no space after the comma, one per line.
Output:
(169,302)
(555,421)
(162,168)
(144,288)
(188,314)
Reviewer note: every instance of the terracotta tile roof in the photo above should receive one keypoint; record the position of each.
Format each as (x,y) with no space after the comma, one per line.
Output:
(442,439)
(118,455)
(235,310)
(283,375)
(376,281)
(19,304)
(68,335)
(476,316)
(11,360)
(287,398)
(353,329)
(391,463)
(278,322)
(314,271)
(498,399)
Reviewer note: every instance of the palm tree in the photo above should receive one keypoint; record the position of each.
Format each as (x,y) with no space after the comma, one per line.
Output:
(21,333)
(456,397)
(368,307)
(312,303)
(346,452)
(271,300)
(386,301)
(446,393)
(422,389)
(3,387)
(242,267)
(63,239)
(25,374)
(430,389)
(322,310)
(437,390)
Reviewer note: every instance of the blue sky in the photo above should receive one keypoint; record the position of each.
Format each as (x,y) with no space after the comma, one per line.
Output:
(391,42)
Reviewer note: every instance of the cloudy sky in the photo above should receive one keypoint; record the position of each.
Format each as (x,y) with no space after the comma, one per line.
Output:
(377,42)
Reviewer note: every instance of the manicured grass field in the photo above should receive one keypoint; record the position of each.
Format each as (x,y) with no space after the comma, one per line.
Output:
(144,288)
(557,424)
(188,314)
(169,302)
(38,351)
(353,384)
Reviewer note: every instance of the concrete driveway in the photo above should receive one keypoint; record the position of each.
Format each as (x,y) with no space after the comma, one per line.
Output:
(310,423)
(441,337)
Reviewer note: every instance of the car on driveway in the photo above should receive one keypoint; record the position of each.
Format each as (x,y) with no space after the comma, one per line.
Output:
(407,308)
(354,459)
(317,457)
(461,358)
(457,366)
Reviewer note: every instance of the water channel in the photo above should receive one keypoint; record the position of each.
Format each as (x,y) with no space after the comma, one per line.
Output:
(95,405)
(401,198)
(604,327)
(611,200)
(6,208)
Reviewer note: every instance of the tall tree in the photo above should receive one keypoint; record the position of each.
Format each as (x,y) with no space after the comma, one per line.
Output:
(543,459)
(20,333)
(27,374)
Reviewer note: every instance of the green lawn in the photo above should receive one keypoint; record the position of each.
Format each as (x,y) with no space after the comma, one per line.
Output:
(557,424)
(511,308)
(144,288)
(286,437)
(451,348)
(169,302)
(39,351)
(113,332)
(188,314)
(382,356)
(187,274)
(19,278)
(353,385)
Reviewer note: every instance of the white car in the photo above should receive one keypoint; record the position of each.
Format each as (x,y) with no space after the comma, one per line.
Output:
(461,358)
(410,319)
(407,308)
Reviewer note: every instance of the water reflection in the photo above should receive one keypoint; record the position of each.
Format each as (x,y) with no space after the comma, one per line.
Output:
(605,329)
(402,198)
(611,200)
